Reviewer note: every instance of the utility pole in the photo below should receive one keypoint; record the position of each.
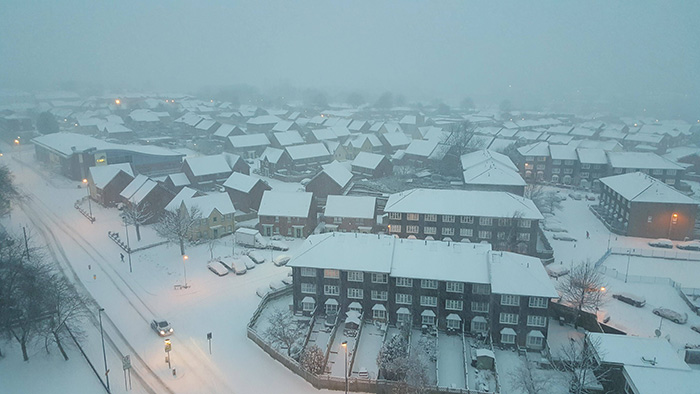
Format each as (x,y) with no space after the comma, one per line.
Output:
(26,243)
(104,353)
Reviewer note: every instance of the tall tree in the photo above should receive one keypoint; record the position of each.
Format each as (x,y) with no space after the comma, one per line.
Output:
(385,101)
(283,330)
(582,289)
(46,123)
(68,306)
(136,215)
(8,190)
(526,380)
(579,365)
(395,349)
(312,360)
(175,226)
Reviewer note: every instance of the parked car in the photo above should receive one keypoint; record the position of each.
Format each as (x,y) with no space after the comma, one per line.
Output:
(695,328)
(262,291)
(281,260)
(278,245)
(238,266)
(256,256)
(277,285)
(249,264)
(661,243)
(557,270)
(162,327)
(671,315)
(217,267)
(564,238)
(690,245)
(576,196)
(631,299)
(590,197)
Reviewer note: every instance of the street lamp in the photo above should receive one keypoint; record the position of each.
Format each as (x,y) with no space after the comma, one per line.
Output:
(674,220)
(104,354)
(85,181)
(168,346)
(184,266)
(128,245)
(345,347)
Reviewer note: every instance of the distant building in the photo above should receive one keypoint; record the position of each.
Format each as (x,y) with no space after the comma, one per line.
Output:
(147,194)
(372,165)
(289,214)
(216,210)
(245,191)
(333,179)
(351,214)
(106,182)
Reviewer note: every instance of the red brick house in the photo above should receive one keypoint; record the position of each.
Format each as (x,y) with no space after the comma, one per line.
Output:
(245,191)
(290,214)
(351,214)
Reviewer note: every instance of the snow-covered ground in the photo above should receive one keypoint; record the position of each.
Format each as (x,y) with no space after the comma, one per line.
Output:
(508,362)
(371,341)
(425,347)
(685,272)
(451,361)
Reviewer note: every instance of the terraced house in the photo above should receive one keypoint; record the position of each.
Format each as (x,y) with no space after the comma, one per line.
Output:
(505,220)
(448,285)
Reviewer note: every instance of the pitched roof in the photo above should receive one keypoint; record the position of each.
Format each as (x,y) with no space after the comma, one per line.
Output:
(179,179)
(463,203)
(207,204)
(486,155)
(492,173)
(224,130)
(184,194)
(396,139)
(640,187)
(592,156)
(249,140)
(205,124)
(563,152)
(422,148)
(291,137)
(641,160)
(288,204)
(241,182)
(207,165)
(138,189)
(103,175)
(271,154)
(520,275)
(536,149)
(351,206)
(367,160)
(630,350)
(307,151)
(338,173)
(69,143)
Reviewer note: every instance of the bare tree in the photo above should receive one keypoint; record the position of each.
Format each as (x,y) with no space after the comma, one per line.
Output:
(211,245)
(413,376)
(67,306)
(582,289)
(460,138)
(579,366)
(175,226)
(545,200)
(284,330)
(8,190)
(136,215)
(313,360)
(526,380)
(395,349)
(510,241)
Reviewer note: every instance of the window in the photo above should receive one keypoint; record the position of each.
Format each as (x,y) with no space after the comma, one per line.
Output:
(556,170)
(501,235)
(478,288)
(479,325)
(412,217)
(404,298)
(331,309)
(428,284)
(568,162)
(568,170)
(277,219)
(486,221)
(585,175)
(556,162)
(453,305)
(448,231)
(448,218)
(379,295)
(379,314)
(671,172)
(485,234)
(308,306)
(334,274)
(214,219)
(394,228)
(429,230)
(430,218)
(395,215)
(536,321)
(337,220)
(455,287)
(535,341)
(308,272)
(453,324)
(404,282)
(542,158)
(308,288)
(504,222)
(540,166)
(466,219)
(512,300)
(525,223)
(356,276)
(649,219)
(428,301)
(355,293)
(657,172)
(508,318)
(412,229)
(523,236)
(507,338)
(331,290)
(379,278)
(585,166)
(480,307)
(537,302)
(466,232)
(427,320)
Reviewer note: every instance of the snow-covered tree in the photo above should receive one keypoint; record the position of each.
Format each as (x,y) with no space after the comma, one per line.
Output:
(283,330)
(8,191)
(67,306)
(582,289)
(395,349)
(136,215)
(175,226)
(313,359)
(579,365)
(412,375)
(527,381)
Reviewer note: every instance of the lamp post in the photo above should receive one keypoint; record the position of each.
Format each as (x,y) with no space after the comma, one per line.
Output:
(345,347)
(128,246)
(168,346)
(85,181)
(674,220)
(627,271)
(104,353)
(184,266)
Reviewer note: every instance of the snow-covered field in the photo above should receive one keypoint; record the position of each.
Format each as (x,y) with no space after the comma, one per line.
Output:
(371,341)
(685,272)
(451,361)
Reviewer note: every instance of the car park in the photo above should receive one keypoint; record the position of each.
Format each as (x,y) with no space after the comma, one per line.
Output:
(278,245)
(690,245)
(576,196)
(162,327)
(256,256)
(238,266)
(671,315)
(248,262)
(661,243)
(217,267)
(281,260)
(631,299)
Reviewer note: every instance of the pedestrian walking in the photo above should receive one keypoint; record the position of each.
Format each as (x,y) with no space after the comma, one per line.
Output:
(588,236)
(122,256)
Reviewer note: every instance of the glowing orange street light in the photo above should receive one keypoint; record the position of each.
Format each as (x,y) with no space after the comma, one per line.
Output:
(85,181)
(602,288)
(117,101)
(16,141)
(184,267)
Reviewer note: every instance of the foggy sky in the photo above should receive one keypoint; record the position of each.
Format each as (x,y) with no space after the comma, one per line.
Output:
(514,49)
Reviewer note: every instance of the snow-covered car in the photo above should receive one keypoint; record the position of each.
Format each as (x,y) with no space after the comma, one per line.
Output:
(281,260)
(249,264)
(238,266)
(288,280)
(671,315)
(695,328)
(217,267)
(661,243)
(690,245)
(557,270)
(256,256)
(631,299)
(590,197)
(278,245)
(262,291)
(554,228)
(576,196)
(277,285)
(564,238)
(162,327)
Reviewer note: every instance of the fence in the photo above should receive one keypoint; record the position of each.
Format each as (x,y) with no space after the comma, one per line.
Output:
(658,253)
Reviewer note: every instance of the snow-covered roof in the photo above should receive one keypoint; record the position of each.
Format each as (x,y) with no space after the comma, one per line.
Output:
(264,120)
(138,189)
(116,128)
(271,154)
(207,204)
(286,138)
(184,194)
(143,115)
(207,165)
(583,132)
(179,179)
(358,141)
(646,138)
(324,134)
(103,175)
(288,204)
(224,130)
(592,156)
(367,160)
(249,140)
(65,142)
(396,139)
(629,350)
(283,125)
(486,155)
(641,160)
(453,261)
(307,151)
(536,149)
(563,152)
(422,148)
(340,131)
(338,173)
(560,129)
(652,380)
(463,203)
(241,182)
(351,207)
(205,124)
(680,152)
(640,187)
(492,173)
(520,275)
